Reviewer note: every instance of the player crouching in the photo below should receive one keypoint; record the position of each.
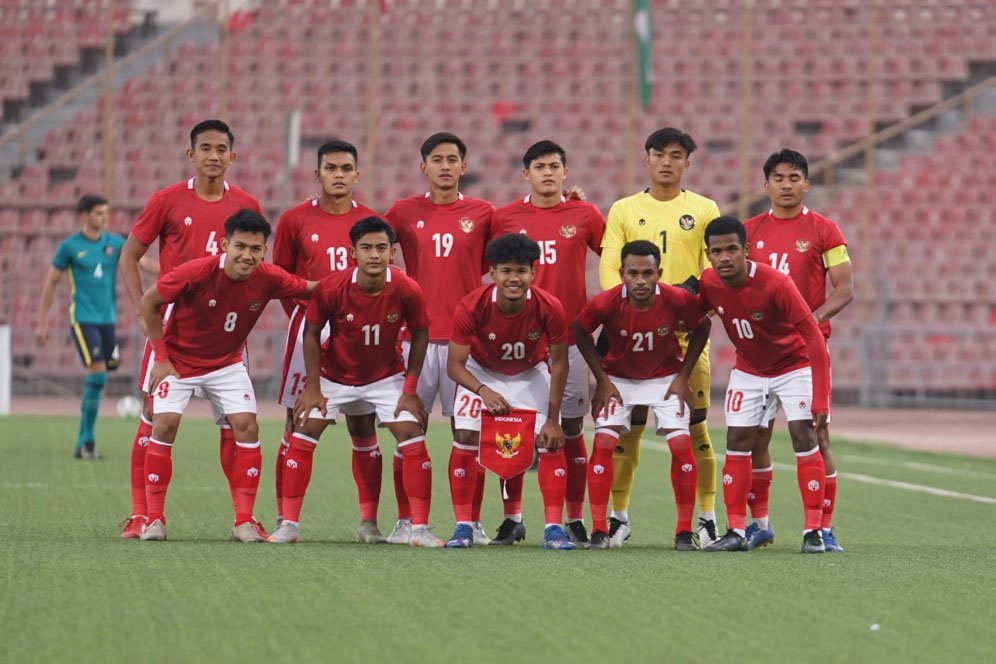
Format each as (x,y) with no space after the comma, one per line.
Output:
(642,367)
(215,301)
(360,369)
(503,335)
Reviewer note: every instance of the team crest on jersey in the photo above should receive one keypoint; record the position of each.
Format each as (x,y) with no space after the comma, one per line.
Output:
(687,222)
(662,331)
(756,315)
(420,224)
(254,305)
(568,231)
(533,335)
(314,237)
(212,303)
(187,221)
(393,318)
(466,224)
(802,246)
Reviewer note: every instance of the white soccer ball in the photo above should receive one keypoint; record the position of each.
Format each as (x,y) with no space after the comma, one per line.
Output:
(129,407)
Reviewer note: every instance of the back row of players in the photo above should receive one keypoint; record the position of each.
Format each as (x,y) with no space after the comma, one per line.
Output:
(523,342)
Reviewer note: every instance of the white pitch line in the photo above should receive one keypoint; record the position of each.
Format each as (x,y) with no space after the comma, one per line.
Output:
(867,479)
(916,465)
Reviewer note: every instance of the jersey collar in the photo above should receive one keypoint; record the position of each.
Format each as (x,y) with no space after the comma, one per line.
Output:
(751,268)
(459,196)
(494,294)
(356,273)
(526,199)
(314,202)
(805,211)
(623,293)
(190,183)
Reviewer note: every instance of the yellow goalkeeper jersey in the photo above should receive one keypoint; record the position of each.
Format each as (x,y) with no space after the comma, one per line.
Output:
(676,226)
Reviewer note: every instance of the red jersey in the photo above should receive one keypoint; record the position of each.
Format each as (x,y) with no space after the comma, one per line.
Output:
(443,247)
(642,344)
(509,344)
(770,325)
(796,247)
(187,226)
(363,347)
(564,232)
(213,314)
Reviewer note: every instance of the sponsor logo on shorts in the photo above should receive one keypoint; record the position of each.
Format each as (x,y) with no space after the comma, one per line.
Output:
(459,472)
(802,246)
(314,237)
(802,405)
(599,469)
(687,467)
(466,224)
(568,231)
(687,222)
(252,472)
(813,485)
(533,335)
(393,318)
(291,464)
(560,472)
(727,479)
(153,478)
(245,397)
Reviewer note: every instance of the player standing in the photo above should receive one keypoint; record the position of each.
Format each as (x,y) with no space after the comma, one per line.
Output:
(312,241)
(503,335)
(643,366)
(216,302)
(362,368)
(674,219)
(188,219)
(781,359)
(809,248)
(565,230)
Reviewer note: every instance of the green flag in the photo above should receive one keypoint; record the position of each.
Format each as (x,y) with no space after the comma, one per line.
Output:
(641,23)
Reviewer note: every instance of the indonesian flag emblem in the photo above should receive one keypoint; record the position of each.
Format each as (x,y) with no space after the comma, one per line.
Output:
(466,224)
(507,442)
(568,231)
(802,246)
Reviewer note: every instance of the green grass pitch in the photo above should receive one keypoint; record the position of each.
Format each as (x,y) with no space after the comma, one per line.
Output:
(917,583)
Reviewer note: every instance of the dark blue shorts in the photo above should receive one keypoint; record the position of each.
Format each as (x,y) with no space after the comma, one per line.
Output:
(96,343)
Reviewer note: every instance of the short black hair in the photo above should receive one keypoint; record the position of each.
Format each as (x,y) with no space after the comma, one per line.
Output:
(726,225)
(372,224)
(662,138)
(438,139)
(211,125)
(337,146)
(89,201)
(247,221)
(641,248)
(512,248)
(786,156)
(537,150)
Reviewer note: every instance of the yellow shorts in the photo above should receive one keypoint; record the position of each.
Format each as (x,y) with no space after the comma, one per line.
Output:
(699,380)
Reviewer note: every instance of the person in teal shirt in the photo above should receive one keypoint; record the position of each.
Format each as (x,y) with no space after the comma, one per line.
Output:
(90,258)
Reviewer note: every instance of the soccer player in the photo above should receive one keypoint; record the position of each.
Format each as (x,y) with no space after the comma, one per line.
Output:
(781,359)
(503,335)
(361,368)
(312,241)
(643,366)
(442,234)
(216,302)
(90,258)
(188,219)
(565,230)
(674,219)
(809,248)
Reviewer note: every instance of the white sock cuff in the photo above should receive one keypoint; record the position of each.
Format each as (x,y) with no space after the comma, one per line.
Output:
(737,453)
(370,448)
(248,446)
(159,442)
(833,475)
(768,469)
(284,442)
(607,432)
(411,441)
(398,454)
(225,426)
(466,448)
(675,434)
(145,420)
(809,453)
(309,439)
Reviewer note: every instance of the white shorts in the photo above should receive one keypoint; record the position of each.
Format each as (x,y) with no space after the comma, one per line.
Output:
(576,400)
(434,378)
(529,389)
(646,392)
(774,405)
(750,399)
(229,391)
(380,397)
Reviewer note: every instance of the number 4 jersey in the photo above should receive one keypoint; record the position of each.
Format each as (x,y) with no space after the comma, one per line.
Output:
(213,314)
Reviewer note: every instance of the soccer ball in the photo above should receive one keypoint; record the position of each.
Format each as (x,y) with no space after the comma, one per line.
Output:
(129,407)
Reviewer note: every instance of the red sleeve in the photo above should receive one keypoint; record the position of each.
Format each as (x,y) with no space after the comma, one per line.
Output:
(596,230)
(592,315)
(408,254)
(416,311)
(554,321)
(173,284)
(321,304)
(493,230)
(150,221)
(703,298)
(254,205)
(795,309)
(284,246)
(284,284)
(834,237)
(464,327)
(689,309)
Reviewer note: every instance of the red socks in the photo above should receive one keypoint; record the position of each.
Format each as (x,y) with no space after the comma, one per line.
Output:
(158,471)
(138,450)
(760,488)
(404,509)
(552,474)
(226,451)
(297,475)
(576,456)
(511,495)
(368,467)
(811,474)
(600,477)
(245,479)
(829,500)
(417,470)
(278,470)
(463,481)
(684,477)
(736,486)
(475,512)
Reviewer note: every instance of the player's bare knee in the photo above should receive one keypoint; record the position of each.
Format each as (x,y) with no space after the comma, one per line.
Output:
(572,426)
(740,439)
(803,435)
(466,437)
(165,426)
(403,431)
(311,427)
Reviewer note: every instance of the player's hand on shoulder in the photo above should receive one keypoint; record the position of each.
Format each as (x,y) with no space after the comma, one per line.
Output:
(679,388)
(494,402)
(412,404)
(605,391)
(575,193)
(551,436)
(310,398)
(160,371)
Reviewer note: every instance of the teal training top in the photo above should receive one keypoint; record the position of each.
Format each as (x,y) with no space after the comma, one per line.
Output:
(92,266)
